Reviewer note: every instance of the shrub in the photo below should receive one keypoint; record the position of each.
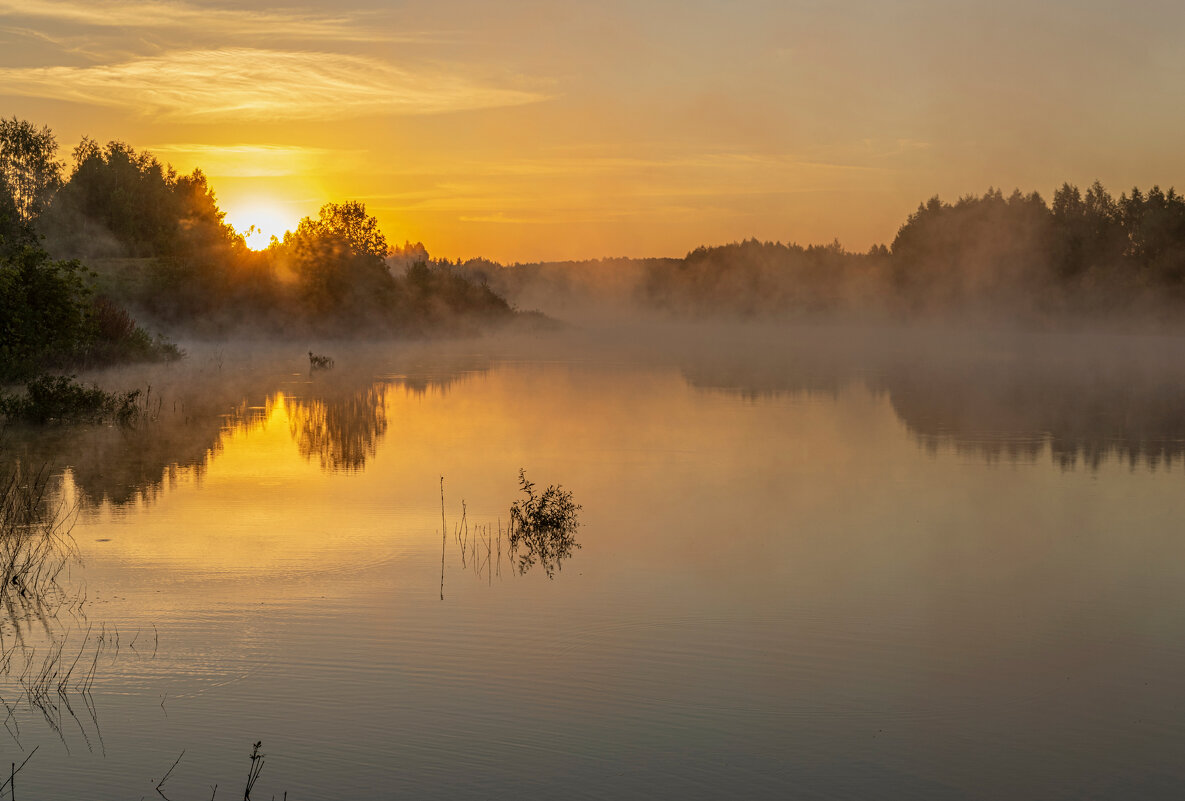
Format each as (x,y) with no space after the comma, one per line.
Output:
(543,526)
(61,399)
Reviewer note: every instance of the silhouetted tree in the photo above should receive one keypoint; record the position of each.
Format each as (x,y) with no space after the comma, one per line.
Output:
(29,166)
(339,259)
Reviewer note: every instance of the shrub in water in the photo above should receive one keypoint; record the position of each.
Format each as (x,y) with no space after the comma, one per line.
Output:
(543,526)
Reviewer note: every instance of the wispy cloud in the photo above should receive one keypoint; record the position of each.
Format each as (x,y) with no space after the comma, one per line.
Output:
(753,167)
(255,161)
(235,22)
(246,83)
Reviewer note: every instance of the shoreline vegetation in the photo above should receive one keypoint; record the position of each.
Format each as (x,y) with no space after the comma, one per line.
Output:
(94,258)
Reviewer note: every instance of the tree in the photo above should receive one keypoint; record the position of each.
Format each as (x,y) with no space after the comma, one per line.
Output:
(346,226)
(29,166)
(143,205)
(44,312)
(339,258)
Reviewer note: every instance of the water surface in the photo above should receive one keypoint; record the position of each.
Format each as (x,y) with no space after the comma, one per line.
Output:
(811,564)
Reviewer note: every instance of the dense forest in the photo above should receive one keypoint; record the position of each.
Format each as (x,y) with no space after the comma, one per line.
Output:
(122,237)
(1017,257)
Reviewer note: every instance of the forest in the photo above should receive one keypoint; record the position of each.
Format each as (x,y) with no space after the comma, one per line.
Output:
(1086,258)
(120,238)
(92,254)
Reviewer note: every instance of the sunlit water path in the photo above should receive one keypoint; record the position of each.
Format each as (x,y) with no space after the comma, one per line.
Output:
(784,588)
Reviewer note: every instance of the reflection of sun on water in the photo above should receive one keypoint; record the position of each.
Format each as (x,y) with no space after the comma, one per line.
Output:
(259,221)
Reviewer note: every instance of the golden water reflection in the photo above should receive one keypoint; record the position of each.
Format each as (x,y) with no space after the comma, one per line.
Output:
(1078,402)
(773,576)
(341,429)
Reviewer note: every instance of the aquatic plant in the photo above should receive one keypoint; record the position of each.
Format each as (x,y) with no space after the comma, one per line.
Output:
(543,526)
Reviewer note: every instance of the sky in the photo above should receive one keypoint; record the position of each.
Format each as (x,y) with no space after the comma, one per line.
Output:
(524,130)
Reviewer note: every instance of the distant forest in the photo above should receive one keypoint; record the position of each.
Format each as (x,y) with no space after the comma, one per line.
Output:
(118,238)
(1013,256)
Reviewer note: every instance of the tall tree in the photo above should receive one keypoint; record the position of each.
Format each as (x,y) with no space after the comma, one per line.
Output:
(29,166)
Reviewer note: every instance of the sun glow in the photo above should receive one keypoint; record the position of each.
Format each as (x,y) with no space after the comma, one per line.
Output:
(260,220)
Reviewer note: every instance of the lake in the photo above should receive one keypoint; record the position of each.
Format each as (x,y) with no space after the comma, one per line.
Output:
(811,562)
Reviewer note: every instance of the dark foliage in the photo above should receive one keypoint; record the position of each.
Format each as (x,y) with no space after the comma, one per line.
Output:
(44,313)
(131,205)
(61,399)
(543,527)
(995,254)
(50,319)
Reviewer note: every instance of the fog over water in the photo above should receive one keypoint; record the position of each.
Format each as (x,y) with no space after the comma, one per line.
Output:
(815,560)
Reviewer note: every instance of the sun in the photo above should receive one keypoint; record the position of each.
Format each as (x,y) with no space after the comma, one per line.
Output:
(259,220)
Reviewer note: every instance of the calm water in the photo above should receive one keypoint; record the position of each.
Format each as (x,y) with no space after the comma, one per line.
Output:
(811,564)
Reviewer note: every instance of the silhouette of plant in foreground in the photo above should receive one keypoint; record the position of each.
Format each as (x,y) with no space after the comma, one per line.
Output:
(543,527)
(252,775)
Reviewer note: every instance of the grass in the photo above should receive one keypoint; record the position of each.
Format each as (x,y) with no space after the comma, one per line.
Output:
(252,775)
(35,548)
(35,542)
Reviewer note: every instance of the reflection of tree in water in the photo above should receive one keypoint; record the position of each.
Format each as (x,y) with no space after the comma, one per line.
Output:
(1019,412)
(124,465)
(201,406)
(1083,400)
(341,431)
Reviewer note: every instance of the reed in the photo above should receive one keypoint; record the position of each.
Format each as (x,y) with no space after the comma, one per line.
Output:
(541,531)
(35,541)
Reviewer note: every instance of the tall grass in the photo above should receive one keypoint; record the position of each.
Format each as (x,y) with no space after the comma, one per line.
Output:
(35,541)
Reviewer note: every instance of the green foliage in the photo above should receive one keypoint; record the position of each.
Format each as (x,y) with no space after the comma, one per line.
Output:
(543,527)
(61,399)
(49,318)
(15,234)
(1083,246)
(29,166)
(44,313)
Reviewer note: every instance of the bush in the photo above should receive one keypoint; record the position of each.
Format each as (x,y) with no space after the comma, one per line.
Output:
(44,313)
(543,526)
(61,399)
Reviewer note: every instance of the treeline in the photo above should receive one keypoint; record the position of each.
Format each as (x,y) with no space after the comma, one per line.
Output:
(50,315)
(1016,255)
(120,235)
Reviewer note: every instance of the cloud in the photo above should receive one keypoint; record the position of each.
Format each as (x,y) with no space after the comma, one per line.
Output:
(760,166)
(253,84)
(194,19)
(255,161)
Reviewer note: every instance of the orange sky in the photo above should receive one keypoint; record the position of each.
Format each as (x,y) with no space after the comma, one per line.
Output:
(529,130)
